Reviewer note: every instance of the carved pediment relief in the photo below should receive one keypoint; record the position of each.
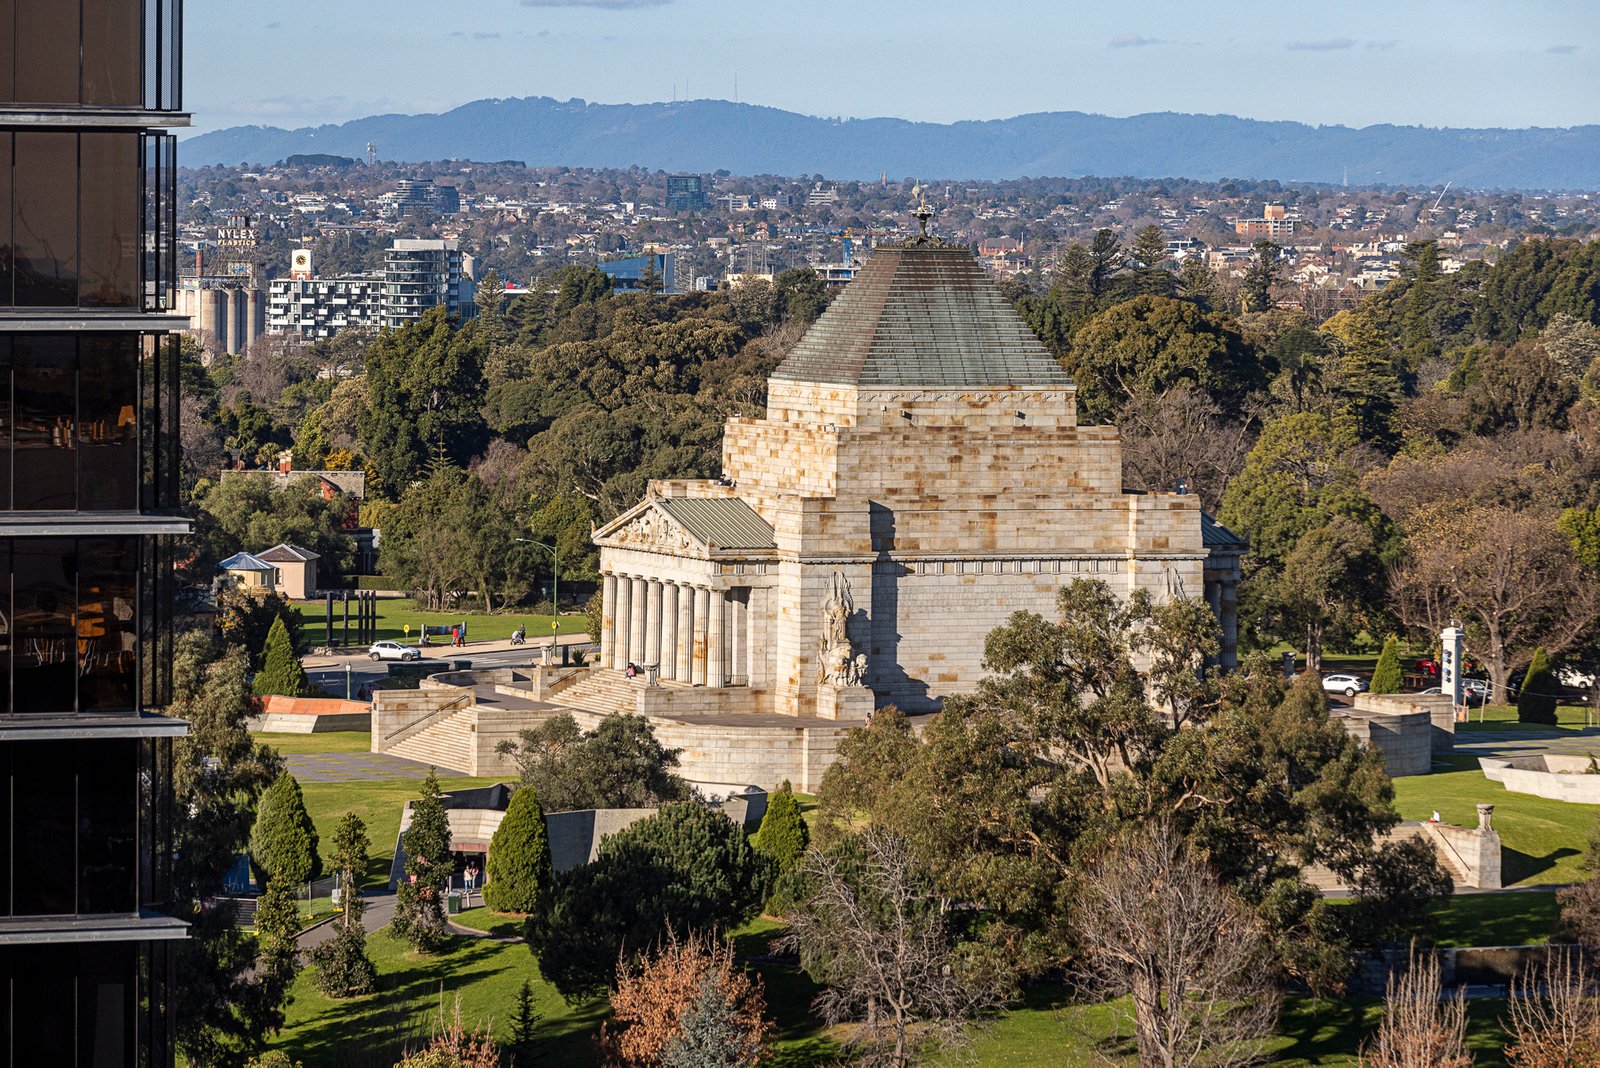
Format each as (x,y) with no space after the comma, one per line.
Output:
(649,528)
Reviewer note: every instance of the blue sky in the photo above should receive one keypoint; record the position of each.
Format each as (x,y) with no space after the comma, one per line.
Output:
(1415,62)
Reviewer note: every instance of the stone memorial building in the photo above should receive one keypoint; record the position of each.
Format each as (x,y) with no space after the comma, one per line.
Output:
(919,476)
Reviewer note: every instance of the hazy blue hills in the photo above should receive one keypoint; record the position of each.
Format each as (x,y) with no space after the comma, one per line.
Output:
(710,135)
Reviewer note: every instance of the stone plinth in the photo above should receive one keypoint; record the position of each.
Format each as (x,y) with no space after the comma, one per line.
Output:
(844,702)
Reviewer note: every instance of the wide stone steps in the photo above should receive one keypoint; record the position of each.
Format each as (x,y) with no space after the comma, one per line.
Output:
(1324,879)
(447,744)
(602,691)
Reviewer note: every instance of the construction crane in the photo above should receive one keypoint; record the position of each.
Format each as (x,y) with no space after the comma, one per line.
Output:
(1442,192)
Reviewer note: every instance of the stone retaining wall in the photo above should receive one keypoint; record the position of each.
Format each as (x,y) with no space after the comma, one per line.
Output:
(1559,778)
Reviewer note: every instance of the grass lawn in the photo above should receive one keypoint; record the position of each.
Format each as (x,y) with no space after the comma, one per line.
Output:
(395,614)
(378,804)
(486,975)
(1516,919)
(481,919)
(1504,718)
(1544,841)
(325,742)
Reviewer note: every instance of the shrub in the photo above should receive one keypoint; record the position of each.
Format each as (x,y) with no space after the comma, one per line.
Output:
(519,858)
(782,837)
(1386,676)
(343,968)
(686,1004)
(283,842)
(1536,700)
(686,868)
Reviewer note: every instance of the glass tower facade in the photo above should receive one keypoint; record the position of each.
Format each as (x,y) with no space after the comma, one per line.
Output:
(88,521)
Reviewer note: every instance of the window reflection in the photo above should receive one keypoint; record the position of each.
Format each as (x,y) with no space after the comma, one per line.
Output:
(108,631)
(44,219)
(45,659)
(108,424)
(44,390)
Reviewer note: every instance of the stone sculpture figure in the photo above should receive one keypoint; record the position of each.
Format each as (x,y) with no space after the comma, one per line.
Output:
(839,662)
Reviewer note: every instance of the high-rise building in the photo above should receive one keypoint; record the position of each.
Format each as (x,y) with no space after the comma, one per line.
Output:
(423,274)
(686,192)
(88,516)
(657,272)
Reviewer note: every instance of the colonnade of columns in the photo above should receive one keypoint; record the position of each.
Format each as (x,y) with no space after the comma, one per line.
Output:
(693,634)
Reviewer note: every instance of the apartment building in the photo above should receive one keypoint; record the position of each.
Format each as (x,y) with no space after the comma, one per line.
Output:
(88,519)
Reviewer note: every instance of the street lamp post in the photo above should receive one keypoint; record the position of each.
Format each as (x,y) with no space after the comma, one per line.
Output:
(555,575)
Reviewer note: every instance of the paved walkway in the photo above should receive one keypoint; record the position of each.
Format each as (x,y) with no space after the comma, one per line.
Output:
(354,767)
(378,913)
(1528,742)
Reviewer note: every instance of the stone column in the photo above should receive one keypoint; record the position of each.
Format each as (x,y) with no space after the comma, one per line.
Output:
(716,646)
(652,624)
(702,613)
(608,622)
(738,645)
(669,631)
(684,671)
(636,620)
(624,620)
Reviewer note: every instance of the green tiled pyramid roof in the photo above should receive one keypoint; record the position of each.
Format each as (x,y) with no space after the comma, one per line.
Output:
(922,314)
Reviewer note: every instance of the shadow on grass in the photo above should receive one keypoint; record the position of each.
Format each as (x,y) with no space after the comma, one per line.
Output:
(1517,866)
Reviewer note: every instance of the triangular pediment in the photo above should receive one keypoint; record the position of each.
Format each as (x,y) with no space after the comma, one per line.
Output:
(648,527)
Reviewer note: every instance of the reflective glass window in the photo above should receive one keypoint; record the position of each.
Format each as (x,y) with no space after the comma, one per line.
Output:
(108,840)
(43,983)
(110,215)
(44,659)
(108,624)
(108,976)
(108,423)
(44,393)
(5,424)
(43,827)
(47,43)
(44,219)
(111,41)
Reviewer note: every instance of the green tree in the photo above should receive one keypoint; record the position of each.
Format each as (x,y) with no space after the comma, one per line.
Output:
(251,512)
(1325,589)
(280,672)
(594,616)
(524,1020)
(1362,376)
(1151,274)
(224,1007)
(344,969)
(619,764)
(419,900)
(1386,676)
(1150,344)
(801,296)
(1262,275)
(1536,699)
(782,835)
(1582,528)
(246,617)
(283,842)
(519,858)
(686,868)
(424,393)
(277,924)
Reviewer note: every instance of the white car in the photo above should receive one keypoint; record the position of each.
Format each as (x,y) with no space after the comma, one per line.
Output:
(1349,685)
(1577,676)
(391,651)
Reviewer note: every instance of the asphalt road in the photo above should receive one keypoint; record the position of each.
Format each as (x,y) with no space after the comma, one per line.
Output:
(329,671)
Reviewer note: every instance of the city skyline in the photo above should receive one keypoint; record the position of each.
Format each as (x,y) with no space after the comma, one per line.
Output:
(298,64)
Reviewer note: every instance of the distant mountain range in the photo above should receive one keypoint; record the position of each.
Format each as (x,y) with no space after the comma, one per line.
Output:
(710,135)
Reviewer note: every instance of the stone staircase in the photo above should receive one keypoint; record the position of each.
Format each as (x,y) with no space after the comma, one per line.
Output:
(601,691)
(448,743)
(1324,879)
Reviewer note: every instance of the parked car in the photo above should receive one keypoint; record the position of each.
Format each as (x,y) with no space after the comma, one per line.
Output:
(391,651)
(1349,685)
(1577,676)
(1431,691)
(1475,689)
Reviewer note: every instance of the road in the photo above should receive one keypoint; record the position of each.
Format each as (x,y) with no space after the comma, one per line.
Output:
(329,672)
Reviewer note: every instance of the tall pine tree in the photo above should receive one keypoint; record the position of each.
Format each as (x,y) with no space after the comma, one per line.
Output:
(283,842)
(1386,676)
(281,672)
(343,968)
(519,858)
